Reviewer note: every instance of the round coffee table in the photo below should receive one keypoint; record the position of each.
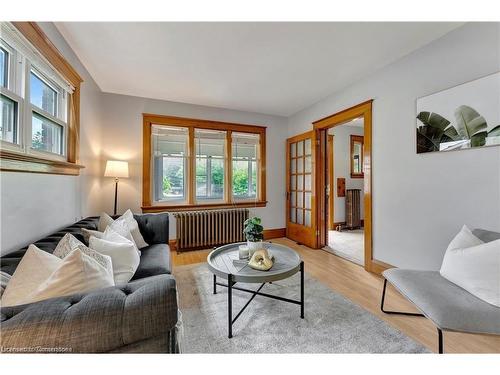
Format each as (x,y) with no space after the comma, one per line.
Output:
(224,262)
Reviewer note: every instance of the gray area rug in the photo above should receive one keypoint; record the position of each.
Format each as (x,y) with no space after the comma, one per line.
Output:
(332,324)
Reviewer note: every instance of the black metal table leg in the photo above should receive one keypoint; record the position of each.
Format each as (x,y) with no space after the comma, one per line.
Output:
(302,290)
(440,341)
(215,284)
(230,305)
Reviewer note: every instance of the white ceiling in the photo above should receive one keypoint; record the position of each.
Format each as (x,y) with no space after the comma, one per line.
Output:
(273,68)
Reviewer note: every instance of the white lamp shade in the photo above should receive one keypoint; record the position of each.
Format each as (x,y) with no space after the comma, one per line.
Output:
(116,168)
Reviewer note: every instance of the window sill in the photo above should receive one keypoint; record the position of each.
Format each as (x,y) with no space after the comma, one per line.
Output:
(202,207)
(21,162)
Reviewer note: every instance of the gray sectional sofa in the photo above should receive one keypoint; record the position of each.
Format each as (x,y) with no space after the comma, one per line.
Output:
(138,317)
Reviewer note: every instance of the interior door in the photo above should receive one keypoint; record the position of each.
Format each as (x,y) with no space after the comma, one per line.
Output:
(301,205)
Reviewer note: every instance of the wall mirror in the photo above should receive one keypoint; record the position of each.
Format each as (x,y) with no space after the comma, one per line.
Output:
(357,156)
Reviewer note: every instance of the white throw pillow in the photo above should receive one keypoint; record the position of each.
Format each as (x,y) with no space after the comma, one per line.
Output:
(86,233)
(120,226)
(133,226)
(123,252)
(475,268)
(35,267)
(126,221)
(464,239)
(69,243)
(78,273)
(104,221)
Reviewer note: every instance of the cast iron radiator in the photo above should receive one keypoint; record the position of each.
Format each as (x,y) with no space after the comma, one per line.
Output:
(204,229)
(353,208)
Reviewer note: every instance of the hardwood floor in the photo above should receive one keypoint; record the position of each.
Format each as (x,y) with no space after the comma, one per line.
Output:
(364,289)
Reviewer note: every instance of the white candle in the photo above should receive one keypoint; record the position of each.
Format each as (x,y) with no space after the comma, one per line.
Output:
(243,252)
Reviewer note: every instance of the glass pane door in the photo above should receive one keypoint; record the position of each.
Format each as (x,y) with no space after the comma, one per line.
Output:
(300,182)
(300,189)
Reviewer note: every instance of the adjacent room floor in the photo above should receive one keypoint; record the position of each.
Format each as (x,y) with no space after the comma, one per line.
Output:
(348,244)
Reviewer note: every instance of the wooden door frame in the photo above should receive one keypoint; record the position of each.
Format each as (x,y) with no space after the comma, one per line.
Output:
(321,127)
(331,180)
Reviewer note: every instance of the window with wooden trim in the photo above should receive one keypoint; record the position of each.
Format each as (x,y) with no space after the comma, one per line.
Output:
(191,163)
(39,103)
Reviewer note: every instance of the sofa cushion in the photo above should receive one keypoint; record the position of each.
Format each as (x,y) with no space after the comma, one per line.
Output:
(154,227)
(155,260)
(446,304)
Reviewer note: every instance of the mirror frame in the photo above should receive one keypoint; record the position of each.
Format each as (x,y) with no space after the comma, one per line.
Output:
(357,139)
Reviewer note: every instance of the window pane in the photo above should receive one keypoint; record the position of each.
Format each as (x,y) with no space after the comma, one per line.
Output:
(4,67)
(300,165)
(8,114)
(300,216)
(46,135)
(173,178)
(241,179)
(244,164)
(307,217)
(201,178)
(42,95)
(300,200)
(210,152)
(217,179)
(300,148)
(169,146)
(307,165)
(307,182)
(307,147)
(307,198)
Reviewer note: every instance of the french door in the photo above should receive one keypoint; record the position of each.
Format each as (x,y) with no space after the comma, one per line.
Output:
(301,205)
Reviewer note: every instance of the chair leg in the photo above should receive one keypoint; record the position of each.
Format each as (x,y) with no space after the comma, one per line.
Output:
(440,341)
(393,312)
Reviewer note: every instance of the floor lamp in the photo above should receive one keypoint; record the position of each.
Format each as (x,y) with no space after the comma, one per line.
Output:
(117,169)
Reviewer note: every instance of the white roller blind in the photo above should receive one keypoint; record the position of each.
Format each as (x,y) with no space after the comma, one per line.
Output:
(209,143)
(245,145)
(169,140)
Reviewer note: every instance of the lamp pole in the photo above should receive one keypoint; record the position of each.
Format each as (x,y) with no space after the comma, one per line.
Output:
(116,195)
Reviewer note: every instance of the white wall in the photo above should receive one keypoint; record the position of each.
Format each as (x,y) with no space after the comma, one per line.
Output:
(421,201)
(34,205)
(122,139)
(342,167)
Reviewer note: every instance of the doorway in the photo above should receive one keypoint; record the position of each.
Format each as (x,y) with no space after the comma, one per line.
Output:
(344,191)
(346,225)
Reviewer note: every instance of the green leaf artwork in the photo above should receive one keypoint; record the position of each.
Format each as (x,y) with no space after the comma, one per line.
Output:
(469,130)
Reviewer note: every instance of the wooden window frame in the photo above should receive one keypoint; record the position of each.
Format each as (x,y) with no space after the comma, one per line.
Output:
(15,161)
(358,139)
(152,119)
